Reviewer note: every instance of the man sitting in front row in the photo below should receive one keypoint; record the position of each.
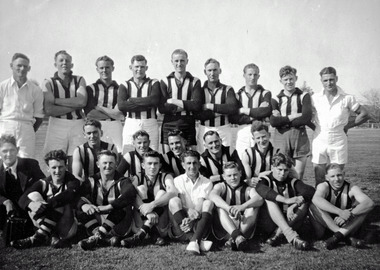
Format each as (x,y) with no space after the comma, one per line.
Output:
(105,207)
(191,210)
(287,202)
(237,208)
(340,207)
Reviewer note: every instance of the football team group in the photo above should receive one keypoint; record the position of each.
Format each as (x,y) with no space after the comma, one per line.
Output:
(220,168)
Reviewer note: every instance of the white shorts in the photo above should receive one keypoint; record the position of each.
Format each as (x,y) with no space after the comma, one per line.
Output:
(64,134)
(225,133)
(330,148)
(24,134)
(132,125)
(244,139)
(112,133)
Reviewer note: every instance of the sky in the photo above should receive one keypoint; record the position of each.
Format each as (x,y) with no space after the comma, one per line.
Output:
(307,35)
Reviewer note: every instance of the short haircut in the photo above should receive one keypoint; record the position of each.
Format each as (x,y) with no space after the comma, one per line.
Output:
(179,51)
(140,133)
(287,70)
(138,58)
(104,58)
(281,158)
(328,70)
(20,55)
(175,133)
(106,153)
(61,52)
(55,155)
(333,166)
(253,66)
(230,165)
(210,133)
(212,61)
(258,126)
(190,153)
(8,138)
(92,122)
(153,154)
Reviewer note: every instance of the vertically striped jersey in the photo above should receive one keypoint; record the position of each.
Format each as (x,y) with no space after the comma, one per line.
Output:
(288,105)
(340,198)
(101,95)
(258,162)
(237,196)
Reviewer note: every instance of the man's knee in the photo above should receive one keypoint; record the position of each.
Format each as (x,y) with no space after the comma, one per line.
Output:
(175,204)
(207,206)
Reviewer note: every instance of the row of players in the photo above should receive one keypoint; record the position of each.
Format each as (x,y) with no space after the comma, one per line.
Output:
(182,100)
(107,200)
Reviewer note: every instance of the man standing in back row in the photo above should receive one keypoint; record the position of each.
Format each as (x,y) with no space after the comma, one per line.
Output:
(65,97)
(138,99)
(332,108)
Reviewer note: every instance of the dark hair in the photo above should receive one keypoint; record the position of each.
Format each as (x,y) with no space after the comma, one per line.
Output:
(153,154)
(138,58)
(258,126)
(55,155)
(190,153)
(92,122)
(20,55)
(179,51)
(212,61)
(332,166)
(253,66)
(8,138)
(61,52)
(281,158)
(286,70)
(328,70)
(175,133)
(104,58)
(106,153)
(230,165)
(210,133)
(139,133)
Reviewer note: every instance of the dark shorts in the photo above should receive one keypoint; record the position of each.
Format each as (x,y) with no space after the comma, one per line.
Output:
(185,124)
(293,142)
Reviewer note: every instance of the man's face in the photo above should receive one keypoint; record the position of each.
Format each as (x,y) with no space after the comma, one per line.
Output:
(176,145)
(335,178)
(289,82)
(191,166)
(261,138)
(329,82)
(232,177)
(280,173)
(141,144)
(20,68)
(179,62)
(57,169)
(139,69)
(251,77)
(151,165)
(105,69)
(8,153)
(64,64)
(107,165)
(92,135)
(212,71)
(213,144)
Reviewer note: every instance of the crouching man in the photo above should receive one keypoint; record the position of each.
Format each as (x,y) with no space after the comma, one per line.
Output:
(49,204)
(237,208)
(151,211)
(105,206)
(340,207)
(287,202)
(191,211)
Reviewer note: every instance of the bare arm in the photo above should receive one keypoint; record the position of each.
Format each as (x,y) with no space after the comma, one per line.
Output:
(37,124)
(323,204)
(215,197)
(365,203)
(362,116)
(77,166)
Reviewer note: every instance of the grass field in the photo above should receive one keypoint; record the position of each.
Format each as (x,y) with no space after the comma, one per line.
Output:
(363,169)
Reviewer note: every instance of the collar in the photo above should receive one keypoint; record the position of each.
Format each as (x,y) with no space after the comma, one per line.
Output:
(188,75)
(218,85)
(56,77)
(113,84)
(144,80)
(258,88)
(189,180)
(340,92)
(296,92)
(13,81)
(13,168)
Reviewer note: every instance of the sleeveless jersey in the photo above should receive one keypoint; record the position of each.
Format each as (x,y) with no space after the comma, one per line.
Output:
(101,195)
(153,186)
(60,91)
(213,166)
(340,198)
(237,196)
(174,163)
(257,161)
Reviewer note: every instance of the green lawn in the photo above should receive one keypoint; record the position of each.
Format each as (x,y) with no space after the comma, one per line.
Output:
(363,169)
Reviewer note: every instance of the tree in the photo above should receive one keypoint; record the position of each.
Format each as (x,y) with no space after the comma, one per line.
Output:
(306,88)
(373,104)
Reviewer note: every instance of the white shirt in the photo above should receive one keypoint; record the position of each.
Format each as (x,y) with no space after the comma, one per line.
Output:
(333,117)
(190,192)
(20,104)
